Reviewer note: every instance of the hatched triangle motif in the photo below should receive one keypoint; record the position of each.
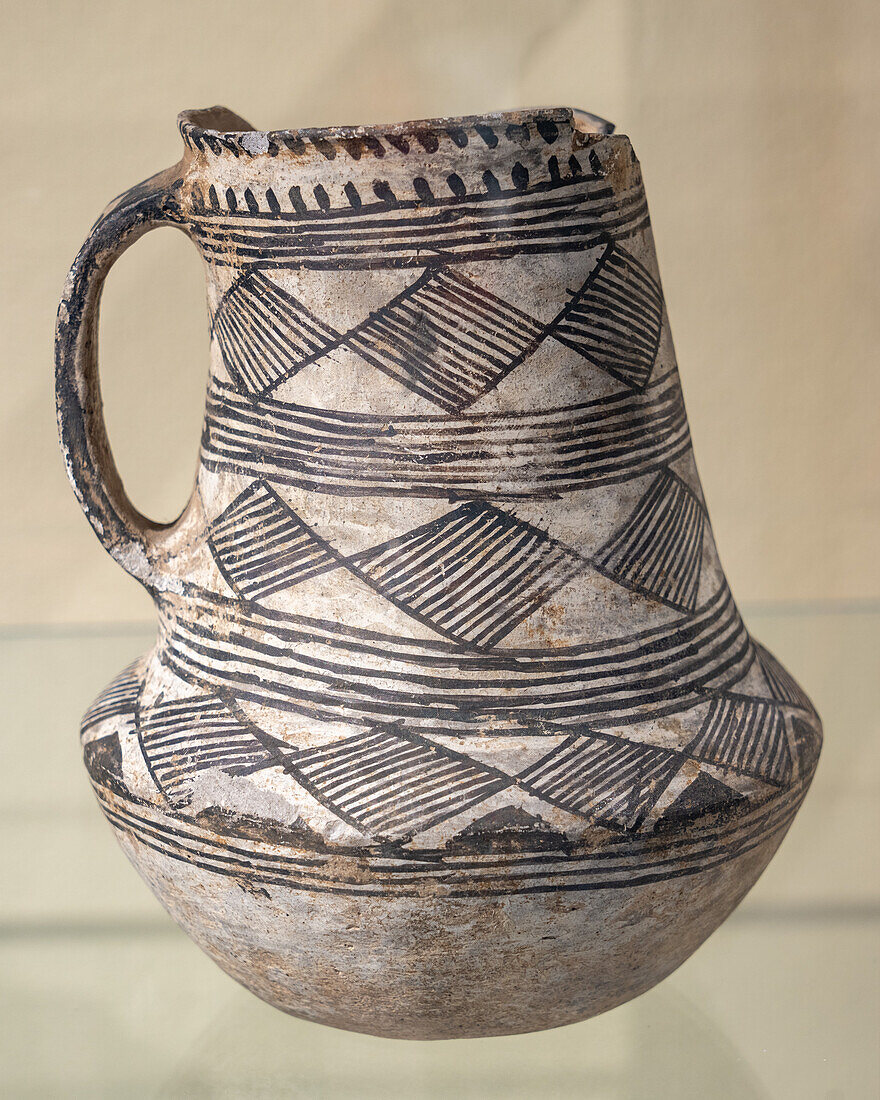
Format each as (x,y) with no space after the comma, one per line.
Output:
(183,737)
(783,686)
(447,339)
(266,335)
(391,783)
(612,781)
(471,575)
(658,551)
(747,735)
(615,319)
(261,546)
(117,700)
(807,743)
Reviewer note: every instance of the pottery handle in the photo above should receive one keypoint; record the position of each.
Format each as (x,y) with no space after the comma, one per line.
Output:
(132,539)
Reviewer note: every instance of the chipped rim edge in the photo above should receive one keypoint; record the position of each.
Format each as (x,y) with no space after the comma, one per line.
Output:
(192,125)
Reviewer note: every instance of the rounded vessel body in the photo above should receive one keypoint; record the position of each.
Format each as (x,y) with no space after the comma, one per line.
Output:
(452,726)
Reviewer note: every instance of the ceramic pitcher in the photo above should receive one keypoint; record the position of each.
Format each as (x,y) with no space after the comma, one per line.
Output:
(452,726)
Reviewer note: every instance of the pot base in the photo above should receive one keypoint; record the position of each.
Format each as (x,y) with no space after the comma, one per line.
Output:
(443,945)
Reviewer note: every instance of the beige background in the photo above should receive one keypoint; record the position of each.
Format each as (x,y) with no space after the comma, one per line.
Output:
(757,126)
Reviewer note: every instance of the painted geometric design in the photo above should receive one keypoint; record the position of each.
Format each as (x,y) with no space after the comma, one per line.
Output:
(577,212)
(261,546)
(183,737)
(706,795)
(390,783)
(472,575)
(447,339)
(807,739)
(537,454)
(265,334)
(374,676)
(508,829)
(117,700)
(658,551)
(444,336)
(614,319)
(103,760)
(612,781)
(782,684)
(747,735)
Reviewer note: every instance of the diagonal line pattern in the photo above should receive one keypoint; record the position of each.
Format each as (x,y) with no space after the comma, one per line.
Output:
(658,550)
(117,700)
(447,339)
(261,546)
(390,783)
(612,781)
(183,737)
(472,574)
(747,735)
(783,686)
(265,334)
(615,318)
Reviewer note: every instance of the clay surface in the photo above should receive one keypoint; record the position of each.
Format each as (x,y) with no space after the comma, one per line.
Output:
(452,726)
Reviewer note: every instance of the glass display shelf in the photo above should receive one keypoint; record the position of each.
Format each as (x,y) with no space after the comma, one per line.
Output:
(102,994)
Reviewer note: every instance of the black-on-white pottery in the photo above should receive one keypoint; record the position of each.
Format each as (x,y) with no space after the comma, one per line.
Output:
(452,726)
